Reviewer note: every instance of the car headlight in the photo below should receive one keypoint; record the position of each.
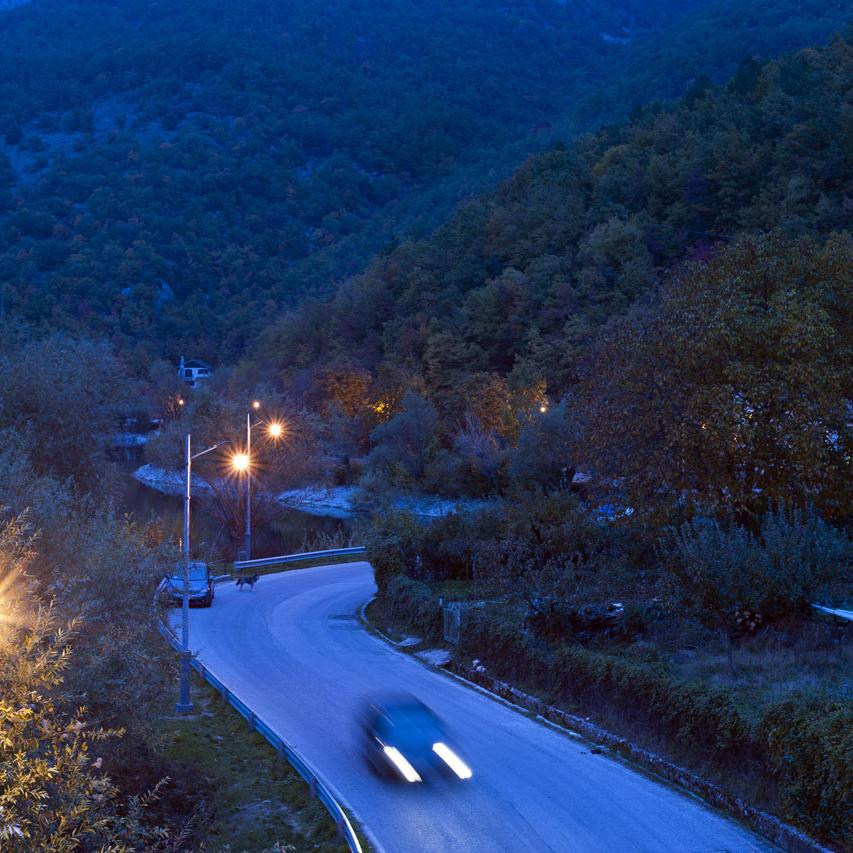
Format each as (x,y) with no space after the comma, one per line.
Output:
(401,763)
(452,760)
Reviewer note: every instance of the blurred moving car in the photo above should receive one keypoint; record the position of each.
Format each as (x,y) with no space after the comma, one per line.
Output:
(404,740)
(201,587)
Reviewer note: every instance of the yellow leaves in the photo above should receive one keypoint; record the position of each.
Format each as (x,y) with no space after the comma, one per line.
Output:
(383,409)
(11,830)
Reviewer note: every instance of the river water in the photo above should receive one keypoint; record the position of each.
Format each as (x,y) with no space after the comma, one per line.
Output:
(285,534)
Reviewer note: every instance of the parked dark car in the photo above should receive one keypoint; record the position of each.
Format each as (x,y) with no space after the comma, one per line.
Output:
(404,740)
(201,588)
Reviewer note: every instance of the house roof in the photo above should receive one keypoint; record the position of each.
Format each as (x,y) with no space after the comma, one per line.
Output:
(197,362)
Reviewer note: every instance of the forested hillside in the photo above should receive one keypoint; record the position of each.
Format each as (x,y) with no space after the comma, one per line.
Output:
(172,176)
(519,281)
(675,280)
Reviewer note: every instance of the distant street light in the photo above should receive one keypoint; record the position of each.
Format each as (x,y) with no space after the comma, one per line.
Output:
(242,462)
(184,705)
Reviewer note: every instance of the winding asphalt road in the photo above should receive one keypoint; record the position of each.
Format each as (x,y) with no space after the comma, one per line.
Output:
(295,652)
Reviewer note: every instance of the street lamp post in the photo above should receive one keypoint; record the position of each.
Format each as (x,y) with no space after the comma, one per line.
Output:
(185,705)
(248,543)
(275,431)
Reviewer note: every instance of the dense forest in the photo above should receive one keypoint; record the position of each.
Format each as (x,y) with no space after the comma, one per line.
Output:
(518,282)
(173,176)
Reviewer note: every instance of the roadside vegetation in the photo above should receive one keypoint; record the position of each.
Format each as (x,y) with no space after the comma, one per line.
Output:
(253,800)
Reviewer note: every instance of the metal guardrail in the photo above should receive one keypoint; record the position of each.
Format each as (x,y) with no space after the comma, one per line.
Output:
(240,565)
(836,612)
(315,783)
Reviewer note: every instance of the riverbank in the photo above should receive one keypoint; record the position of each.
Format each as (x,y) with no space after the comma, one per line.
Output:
(340,502)
(169,482)
(346,501)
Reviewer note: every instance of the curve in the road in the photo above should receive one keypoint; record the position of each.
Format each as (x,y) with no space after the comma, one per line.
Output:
(294,651)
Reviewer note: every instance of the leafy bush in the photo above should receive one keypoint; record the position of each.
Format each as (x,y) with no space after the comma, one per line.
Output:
(807,742)
(689,714)
(57,393)
(726,571)
(55,795)
(402,443)
(412,604)
(542,458)
(391,546)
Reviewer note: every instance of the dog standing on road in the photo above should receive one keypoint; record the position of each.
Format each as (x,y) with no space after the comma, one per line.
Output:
(247,580)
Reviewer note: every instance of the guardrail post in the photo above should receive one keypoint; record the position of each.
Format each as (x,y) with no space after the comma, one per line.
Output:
(312,787)
(340,825)
(250,719)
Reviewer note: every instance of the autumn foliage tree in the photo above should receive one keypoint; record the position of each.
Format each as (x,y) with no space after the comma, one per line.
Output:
(55,794)
(733,391)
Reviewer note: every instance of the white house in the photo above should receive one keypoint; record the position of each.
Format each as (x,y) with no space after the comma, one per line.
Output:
(194,370)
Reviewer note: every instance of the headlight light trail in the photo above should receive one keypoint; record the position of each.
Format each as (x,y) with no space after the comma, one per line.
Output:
(399,761)
(452,760)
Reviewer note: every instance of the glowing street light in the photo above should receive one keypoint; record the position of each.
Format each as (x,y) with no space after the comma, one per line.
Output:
(242,463)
